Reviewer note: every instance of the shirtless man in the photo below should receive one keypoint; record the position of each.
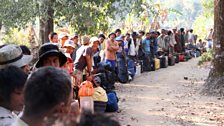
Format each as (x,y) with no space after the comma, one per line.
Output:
(110,50)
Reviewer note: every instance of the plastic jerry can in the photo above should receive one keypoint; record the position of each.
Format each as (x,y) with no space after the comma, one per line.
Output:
(87,104)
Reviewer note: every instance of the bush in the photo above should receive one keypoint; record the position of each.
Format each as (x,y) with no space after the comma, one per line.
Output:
(206,57)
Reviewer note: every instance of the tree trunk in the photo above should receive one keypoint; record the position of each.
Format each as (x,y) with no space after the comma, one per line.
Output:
(46,21)
(215,82)
(34,45)
(0,25)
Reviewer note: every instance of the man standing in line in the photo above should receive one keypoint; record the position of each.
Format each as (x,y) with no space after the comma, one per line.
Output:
(182,39)
(53,37)
(140,39)
(74,38)
(161,40)
(118,32)
(110,51)
(84,59)
(101,38)
(176,35)
(63,36)
(133,46)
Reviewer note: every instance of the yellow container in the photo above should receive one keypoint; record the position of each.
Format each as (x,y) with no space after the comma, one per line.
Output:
(157,63)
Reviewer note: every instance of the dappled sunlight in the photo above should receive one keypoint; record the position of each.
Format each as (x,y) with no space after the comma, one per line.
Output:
(191,82)
(142,85)
(154,98)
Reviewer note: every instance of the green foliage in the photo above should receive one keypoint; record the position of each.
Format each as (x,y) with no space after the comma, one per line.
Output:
(206,57)
(126,14)
(201,26)
(181,13)
(85,16)
(94,16)
(17,14)
(16,36)
(205,21)
(208,8)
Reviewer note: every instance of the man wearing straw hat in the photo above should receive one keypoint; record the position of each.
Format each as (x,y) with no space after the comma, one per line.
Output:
(12,55)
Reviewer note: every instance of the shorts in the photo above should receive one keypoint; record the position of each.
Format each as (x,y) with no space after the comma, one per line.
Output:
(112,63)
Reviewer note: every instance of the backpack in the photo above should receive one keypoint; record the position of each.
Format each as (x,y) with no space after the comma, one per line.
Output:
(112,104)
(122,71)
(107,76)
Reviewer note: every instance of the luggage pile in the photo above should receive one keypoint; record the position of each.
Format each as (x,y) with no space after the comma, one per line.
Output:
(148,64)
(138,54)
(127,70)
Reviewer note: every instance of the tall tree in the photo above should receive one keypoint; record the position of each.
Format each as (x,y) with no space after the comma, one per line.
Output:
(215,81)
(14,13)
(46,20)
(85,16)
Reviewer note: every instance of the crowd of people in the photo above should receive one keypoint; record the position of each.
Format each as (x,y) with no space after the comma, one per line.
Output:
(51,86)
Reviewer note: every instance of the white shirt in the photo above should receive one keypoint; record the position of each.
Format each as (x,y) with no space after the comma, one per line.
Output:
(7,117)
(161,42)
(190,37)
(138,43)
(19,122)
(133,50)
(125,44)
(173,41)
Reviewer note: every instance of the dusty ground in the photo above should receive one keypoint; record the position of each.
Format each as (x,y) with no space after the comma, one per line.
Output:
(165,98)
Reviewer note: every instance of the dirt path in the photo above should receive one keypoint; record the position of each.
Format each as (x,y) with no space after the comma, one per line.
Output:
(165,98)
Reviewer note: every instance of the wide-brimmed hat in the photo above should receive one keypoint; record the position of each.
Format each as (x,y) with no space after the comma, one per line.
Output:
(13,55)
(49,49)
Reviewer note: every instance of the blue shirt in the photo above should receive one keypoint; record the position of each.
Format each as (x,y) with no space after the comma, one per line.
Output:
(146,46)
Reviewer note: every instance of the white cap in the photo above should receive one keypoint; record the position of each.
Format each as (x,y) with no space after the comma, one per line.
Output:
(63,34)
(93,39)
(69,43)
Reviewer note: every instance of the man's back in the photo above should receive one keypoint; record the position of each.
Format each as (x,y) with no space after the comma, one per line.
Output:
(80,61)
